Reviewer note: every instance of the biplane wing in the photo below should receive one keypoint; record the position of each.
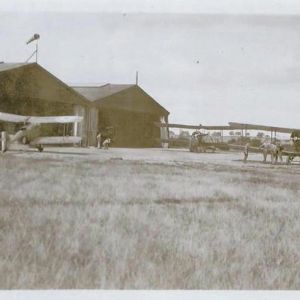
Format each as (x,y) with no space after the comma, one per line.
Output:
(12,118)
(196,127)
(31,123)
(5,117)
(247,126)
(57,119)
(56,140)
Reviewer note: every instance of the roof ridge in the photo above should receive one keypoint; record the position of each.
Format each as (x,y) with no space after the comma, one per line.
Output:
(103,85)
(88,86)
(7,66)
(17,63)
(94,93)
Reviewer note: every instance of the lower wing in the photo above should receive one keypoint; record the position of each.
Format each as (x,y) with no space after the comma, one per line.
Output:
(56,140)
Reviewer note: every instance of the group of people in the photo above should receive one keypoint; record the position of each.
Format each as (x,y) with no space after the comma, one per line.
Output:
(102,141)
(275,150)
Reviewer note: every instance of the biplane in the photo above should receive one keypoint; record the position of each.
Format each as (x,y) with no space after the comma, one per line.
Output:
(198,141)
(203,142)
(295,138)
(30,131)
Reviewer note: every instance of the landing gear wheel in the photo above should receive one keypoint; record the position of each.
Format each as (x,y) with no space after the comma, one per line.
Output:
(40,148)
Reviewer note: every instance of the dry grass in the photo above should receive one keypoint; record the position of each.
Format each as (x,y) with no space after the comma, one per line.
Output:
(130,224)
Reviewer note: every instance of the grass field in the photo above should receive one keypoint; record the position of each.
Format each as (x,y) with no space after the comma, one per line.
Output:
(147,219)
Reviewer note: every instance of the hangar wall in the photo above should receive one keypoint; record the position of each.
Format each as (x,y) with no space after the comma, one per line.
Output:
(130,129)
(128,111)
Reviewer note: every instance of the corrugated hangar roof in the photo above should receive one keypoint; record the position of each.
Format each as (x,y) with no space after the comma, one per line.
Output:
(101,95)
(11,67)
(94,93)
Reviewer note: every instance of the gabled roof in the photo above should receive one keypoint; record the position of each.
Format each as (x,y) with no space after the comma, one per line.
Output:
(94,93)
(104,94)
(11,66)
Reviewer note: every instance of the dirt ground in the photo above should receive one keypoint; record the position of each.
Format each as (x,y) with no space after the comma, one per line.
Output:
(147,219)
(148,155)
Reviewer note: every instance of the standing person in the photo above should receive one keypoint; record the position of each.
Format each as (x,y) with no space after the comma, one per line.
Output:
(246,152)
(99,137)
(274,153)
(280,148)
(106,143)
(267,147)
(264,148)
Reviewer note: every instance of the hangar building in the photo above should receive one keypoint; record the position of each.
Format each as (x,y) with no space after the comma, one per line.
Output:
(129,111)
(29,89)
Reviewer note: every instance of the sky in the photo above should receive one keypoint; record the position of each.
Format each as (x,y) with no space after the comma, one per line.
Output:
(205,62)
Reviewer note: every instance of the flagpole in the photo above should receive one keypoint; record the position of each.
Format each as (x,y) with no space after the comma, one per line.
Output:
(36,51)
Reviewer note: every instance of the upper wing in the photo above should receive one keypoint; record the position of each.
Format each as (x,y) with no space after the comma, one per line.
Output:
(246,126)
(171,125)
(58,119)
(13,118)
(38,120)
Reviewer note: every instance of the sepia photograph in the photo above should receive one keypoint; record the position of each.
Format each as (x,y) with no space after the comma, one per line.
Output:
(150,145)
